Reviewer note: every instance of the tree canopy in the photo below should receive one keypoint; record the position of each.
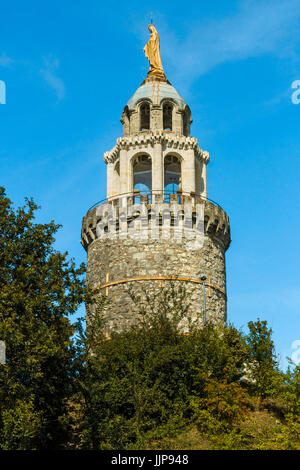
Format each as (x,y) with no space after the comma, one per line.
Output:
(39,289)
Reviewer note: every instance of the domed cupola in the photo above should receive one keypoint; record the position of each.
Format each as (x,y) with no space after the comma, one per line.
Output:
(156,104)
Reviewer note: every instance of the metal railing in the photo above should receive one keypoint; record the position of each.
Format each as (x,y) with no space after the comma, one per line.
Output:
(167,197)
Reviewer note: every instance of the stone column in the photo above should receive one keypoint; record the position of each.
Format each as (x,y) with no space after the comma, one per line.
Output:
(134,122)
(110,179)
(157,169)
(204,194)
(123,172)
(177,121)
(188,172)
(156,117)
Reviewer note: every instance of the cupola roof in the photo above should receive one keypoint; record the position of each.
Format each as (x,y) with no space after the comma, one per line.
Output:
(156,91)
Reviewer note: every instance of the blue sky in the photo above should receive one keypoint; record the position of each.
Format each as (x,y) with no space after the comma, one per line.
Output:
(71,66)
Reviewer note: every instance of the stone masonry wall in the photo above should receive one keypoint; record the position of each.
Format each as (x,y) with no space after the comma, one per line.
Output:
(115,260)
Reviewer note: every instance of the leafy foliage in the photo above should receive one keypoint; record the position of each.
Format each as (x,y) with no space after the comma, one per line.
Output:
(223,404)
(262,359)
(39,289)
(140,388)
(150,381)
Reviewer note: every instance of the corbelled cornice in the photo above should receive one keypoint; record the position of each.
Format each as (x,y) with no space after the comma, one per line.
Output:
(144,139)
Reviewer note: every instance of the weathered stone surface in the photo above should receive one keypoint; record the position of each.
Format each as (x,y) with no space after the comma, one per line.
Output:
(216,221)
(116,260)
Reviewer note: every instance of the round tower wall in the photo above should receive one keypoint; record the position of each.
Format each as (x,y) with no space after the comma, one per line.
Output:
(110,262)
(146,265)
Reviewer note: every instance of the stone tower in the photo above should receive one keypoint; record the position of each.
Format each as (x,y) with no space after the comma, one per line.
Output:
(157,223)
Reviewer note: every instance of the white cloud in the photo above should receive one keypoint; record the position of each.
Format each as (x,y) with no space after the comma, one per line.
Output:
(258,27)
(51,77)
(295,346)
(5,61)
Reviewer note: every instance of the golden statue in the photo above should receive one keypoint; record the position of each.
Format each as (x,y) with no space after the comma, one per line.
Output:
(152,52)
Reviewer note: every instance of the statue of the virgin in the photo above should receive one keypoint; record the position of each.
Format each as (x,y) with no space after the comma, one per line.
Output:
(152,52)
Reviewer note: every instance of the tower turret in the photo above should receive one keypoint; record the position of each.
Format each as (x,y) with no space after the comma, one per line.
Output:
(157,223)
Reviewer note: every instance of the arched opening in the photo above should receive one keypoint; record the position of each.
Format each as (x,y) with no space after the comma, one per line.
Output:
(167,116)
(142,173)
(144,116)
(172,174)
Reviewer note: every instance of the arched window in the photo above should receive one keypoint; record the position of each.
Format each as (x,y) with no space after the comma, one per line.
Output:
(172,174)
(142,173)
(144,116)
(167,116)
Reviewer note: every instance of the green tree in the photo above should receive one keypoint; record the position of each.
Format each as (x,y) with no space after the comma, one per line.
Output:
(142,384)
(291,391)
(262,363)
(39,289)
(134,385)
